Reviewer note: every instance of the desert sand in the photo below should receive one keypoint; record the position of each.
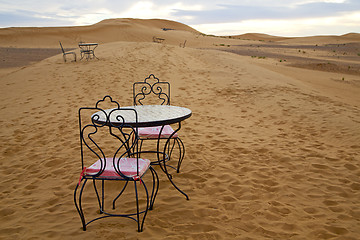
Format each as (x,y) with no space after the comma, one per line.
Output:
(272,147)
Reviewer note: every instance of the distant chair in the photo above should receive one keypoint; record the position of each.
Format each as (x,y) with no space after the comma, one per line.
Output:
(66,53)
(183,44)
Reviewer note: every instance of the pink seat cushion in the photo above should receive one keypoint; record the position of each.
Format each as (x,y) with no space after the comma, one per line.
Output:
(127,167)
(153,132)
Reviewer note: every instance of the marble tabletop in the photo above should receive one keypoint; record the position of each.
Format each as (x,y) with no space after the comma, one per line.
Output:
(88,44)
(148,115)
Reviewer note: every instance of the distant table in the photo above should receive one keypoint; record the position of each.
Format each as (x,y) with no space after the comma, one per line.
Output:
(88,50)
(158,40)
(149,116)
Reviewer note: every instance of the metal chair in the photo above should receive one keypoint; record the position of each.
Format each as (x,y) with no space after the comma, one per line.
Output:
(66,53)
(109,153)
(150,92)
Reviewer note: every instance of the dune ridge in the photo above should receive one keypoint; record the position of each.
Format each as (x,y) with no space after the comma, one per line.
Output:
(259,36)
(272,151)
(110,30)
(349,37)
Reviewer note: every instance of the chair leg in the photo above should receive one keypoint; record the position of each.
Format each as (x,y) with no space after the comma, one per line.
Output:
(117,197)
(141,224)
(137,207)
(155,187)
(79,206)
(141,143)
(102,196)
(101,205)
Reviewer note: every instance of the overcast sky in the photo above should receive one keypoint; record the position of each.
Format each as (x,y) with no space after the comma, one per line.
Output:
(218,17)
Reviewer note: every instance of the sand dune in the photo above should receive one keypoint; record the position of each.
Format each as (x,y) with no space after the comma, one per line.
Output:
(346,38)
(112,30)
(259,37)
(272,150)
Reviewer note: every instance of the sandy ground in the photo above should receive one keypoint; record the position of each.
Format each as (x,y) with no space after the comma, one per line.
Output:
(342,58)
(272,151)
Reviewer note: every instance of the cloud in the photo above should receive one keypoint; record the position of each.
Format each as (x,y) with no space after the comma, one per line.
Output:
(28,19)
(148,9)
(335,25)
(52,13)
(240,12)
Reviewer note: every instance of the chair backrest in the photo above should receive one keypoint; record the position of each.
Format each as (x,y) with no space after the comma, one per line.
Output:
(62,49)
(107,140)
(151,92)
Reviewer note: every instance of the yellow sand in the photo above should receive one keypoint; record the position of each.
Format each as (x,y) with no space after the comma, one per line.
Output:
(272,152)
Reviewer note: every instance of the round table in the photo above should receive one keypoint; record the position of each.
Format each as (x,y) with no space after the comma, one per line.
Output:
(147,116)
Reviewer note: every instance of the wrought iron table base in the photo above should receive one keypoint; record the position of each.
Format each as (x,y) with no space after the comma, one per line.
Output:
(85,50)
(162,161)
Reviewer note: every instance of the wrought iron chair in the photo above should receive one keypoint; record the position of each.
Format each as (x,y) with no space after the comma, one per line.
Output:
(66,53)
(109,152)
(152,91)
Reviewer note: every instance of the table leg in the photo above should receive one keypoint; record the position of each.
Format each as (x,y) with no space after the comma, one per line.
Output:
(163,159)
(93,52)
(87,52)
